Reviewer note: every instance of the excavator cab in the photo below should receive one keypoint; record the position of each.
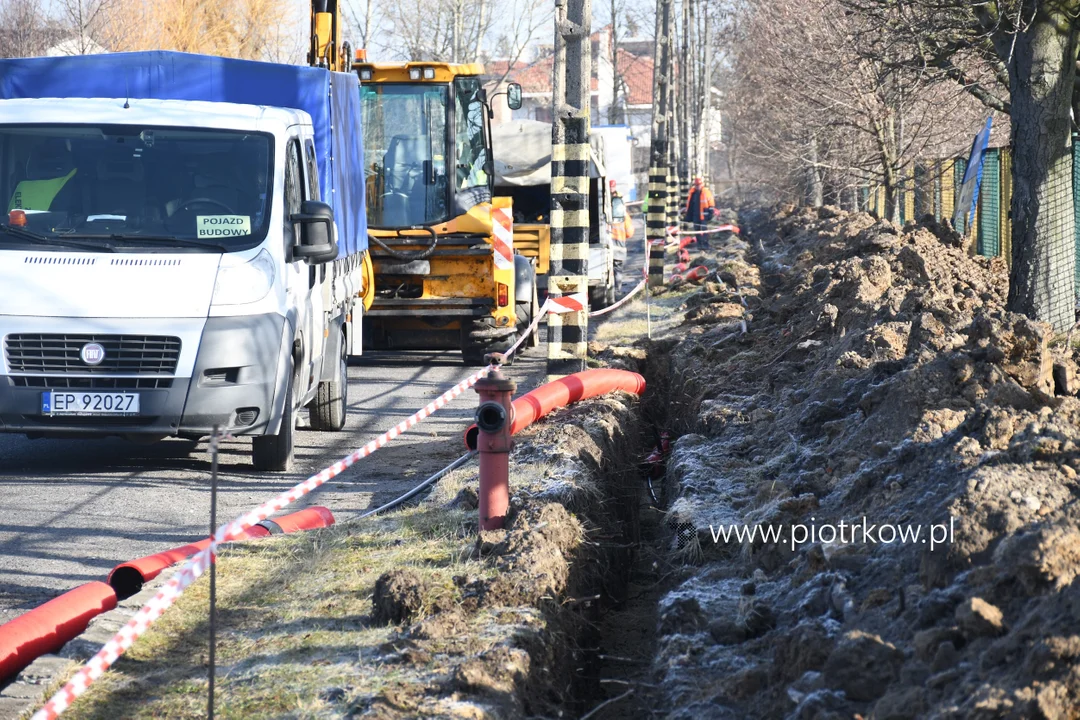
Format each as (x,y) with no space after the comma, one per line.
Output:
(428,144)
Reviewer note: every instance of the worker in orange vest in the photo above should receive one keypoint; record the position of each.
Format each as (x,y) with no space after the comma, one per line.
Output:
(622,229)
(699,205)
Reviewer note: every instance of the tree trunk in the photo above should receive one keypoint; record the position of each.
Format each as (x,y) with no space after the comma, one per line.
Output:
(1041,76)
(889,182)
(614,114)
(481,27)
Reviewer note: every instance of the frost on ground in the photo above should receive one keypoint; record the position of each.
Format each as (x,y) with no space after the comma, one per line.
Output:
(881,378)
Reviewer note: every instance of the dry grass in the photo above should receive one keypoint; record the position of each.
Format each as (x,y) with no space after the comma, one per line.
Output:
(631,322)
(294,621)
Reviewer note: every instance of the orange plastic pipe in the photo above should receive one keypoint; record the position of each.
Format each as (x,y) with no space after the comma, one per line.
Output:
(693,275)
(534,405)
(47,627)
(310,518)
(128,577)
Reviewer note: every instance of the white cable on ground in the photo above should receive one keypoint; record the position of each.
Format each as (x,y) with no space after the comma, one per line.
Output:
(675,232)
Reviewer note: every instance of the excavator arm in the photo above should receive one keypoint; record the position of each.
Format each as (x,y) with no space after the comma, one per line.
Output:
(327,49)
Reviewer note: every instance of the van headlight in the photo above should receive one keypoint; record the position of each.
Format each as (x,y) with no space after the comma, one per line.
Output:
(243,282)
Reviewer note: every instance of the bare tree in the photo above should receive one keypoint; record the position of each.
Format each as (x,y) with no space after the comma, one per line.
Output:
(364,18)
(529,17)
(1017,56)
(23,30)
(82,20)
(449,30)
(617,18)
(819,115)
(233,28)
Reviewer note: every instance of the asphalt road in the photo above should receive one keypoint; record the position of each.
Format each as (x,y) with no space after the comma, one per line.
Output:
(71,510)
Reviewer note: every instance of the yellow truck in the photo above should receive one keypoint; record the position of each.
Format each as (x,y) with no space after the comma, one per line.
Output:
(445,273)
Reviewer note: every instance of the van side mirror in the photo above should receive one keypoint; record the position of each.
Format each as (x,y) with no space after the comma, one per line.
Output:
(318,243)
(513,96)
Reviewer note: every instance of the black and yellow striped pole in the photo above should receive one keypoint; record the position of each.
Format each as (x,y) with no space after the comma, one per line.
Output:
(675,148)
(570,152)
(659,155)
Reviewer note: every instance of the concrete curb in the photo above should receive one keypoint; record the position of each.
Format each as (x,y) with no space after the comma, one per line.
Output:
(27,691)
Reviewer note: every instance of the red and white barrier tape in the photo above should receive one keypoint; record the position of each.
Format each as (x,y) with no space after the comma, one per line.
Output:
(533,326)
(674,231)
(620,303)
(567,303)
(198,563)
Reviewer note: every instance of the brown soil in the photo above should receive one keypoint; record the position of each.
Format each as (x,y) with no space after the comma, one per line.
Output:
(882,378)
(559,562)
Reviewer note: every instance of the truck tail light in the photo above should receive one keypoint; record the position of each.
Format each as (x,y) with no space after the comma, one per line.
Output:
(504,295)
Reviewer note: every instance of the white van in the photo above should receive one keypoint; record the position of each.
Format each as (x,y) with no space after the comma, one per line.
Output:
(167,266)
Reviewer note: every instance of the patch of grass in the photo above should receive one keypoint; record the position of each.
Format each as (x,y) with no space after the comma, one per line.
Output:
(293,623)
(631,322)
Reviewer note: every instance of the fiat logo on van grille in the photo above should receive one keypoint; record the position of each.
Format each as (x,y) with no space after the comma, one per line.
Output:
(92,354)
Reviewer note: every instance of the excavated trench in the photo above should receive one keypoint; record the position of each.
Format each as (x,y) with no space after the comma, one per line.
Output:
(620,682)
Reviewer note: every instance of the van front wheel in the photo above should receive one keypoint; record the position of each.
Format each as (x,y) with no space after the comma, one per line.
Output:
(274,453)
(327,412)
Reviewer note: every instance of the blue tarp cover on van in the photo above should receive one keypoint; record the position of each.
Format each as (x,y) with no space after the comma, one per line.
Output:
(332,100)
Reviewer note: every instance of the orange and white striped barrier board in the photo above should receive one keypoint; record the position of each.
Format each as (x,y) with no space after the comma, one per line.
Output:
(567,303)
(503,238)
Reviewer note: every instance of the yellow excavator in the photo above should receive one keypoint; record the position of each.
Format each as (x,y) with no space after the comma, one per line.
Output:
(445,274)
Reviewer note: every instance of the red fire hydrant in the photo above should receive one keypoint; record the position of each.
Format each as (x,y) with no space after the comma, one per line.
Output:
(493,418)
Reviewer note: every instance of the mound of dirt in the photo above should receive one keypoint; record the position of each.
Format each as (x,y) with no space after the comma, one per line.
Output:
(399,596)
(882,389)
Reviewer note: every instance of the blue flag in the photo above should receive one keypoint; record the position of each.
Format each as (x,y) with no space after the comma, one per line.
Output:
(967,199)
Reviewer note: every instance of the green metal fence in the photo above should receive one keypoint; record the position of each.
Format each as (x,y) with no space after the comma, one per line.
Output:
(989,232)
(1076,202)
(932,189)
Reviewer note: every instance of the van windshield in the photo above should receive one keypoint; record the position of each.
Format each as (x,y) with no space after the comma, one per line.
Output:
(137,186)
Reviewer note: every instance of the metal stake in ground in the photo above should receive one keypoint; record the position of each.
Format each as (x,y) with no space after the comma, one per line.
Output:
(215,439)
(569,274)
